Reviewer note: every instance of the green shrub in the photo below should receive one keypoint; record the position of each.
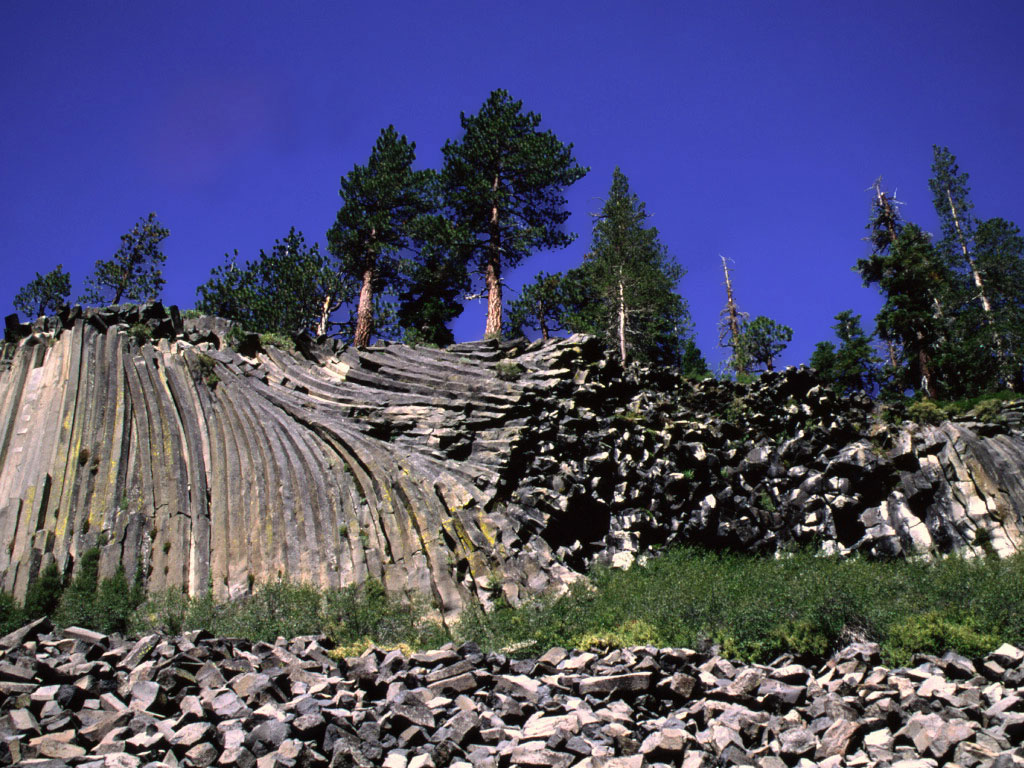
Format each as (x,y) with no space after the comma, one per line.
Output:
(166,611)
(758,607)
(191,314)
(105,606)
(141,333)
(77,606)
(988,410)
(803,636)
(506,370)
(235,336)
(280,340)
(936,632)
(278,608)
(11,614)
(926,412)
(368,611)
(753,607)
(115,602)
(205,366)
(630,633)
(43,594)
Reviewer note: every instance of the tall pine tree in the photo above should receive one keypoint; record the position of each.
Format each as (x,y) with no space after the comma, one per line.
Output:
(434,280)
(915,283)
(382,201)
(503,188)
(981,258)
(625,291)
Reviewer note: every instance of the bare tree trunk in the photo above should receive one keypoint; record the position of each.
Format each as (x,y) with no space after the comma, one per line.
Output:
(492,275)
(969,259)
(325,313)
(364,314)
(985,303)
(622,323)
(730,333)
(542,319)
(890,349)
(493,278)
(926,373)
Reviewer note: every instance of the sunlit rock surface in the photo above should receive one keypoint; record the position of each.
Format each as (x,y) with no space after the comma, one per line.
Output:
(482,470)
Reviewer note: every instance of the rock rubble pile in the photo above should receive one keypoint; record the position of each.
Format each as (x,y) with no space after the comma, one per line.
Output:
(79,698)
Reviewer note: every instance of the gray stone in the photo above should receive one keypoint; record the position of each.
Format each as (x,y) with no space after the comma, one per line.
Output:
(615,684)
(797,742)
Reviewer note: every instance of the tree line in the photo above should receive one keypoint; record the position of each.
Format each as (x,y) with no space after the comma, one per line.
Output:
(408,246)
(952,322)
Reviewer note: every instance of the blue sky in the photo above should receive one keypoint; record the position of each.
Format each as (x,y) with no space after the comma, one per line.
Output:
(750,129)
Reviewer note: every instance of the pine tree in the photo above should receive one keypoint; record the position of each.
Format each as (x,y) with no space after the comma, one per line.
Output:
(45,295)
(503,188)
(43,594)
(951,197)
(134,273)
(982,258)
(761,341)
(911,276)
(539,307)
(853,366)
(915,283)
(382,199)
(999,259)
(292,289)
(625,289)
(432,284)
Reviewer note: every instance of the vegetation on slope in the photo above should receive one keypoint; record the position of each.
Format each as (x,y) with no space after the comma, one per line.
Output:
(754,608)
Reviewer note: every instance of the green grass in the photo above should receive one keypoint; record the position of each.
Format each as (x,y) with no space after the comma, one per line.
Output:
(506,370)
(349,617)
(280,340)
(141,332)
(752,608)
(755,608)
(985,407)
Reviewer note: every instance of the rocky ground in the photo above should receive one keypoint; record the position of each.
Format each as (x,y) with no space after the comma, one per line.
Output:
(78,698)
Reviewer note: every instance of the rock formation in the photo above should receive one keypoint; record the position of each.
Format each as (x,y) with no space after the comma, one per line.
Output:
(482,469)
(84,699)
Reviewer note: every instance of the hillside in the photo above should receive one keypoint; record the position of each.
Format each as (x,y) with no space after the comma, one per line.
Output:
(483,469)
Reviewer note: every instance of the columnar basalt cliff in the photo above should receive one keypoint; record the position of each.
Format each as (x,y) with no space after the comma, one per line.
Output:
(483,469)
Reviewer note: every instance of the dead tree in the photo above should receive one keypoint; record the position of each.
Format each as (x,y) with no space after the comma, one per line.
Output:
(730,326)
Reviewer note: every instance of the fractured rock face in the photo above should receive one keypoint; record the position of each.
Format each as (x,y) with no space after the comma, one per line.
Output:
(487,469)
(333,467)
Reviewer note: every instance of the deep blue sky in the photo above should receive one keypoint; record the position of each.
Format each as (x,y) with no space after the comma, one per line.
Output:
(751,129)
